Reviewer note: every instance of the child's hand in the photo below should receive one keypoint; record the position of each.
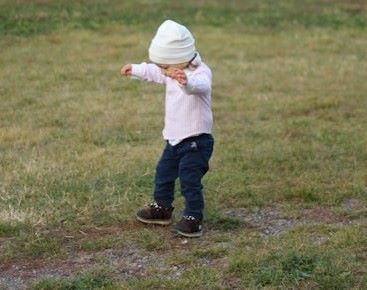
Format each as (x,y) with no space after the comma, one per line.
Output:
(126,70)
(176,74)
(180,76)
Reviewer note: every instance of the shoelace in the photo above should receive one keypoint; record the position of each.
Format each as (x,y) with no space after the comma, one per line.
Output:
(189,217)
(154,204)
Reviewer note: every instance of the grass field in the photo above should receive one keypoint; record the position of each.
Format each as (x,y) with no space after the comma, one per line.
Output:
(286,196)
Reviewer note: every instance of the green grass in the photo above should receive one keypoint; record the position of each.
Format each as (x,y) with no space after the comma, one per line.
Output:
(32,245)
(149,240)
(95,279)
(289,261)
(295,269)
(78,144)
(10,228)
(33,17)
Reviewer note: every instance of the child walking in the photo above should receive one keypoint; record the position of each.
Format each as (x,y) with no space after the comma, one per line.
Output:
(187,126)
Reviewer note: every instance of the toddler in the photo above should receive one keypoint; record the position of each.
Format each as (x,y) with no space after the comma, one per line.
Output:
(187,126)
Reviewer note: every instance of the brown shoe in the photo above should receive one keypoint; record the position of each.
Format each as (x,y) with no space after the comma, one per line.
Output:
(189,227)
(155,214)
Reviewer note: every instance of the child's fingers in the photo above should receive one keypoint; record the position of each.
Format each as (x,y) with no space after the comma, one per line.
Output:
(180,76)
(176,74)
(122,72)
(178,71)
(126,70)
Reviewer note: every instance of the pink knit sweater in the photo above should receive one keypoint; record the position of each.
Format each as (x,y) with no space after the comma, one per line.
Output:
(187,108)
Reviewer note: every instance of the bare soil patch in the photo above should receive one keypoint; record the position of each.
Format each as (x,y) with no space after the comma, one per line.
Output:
(130,261)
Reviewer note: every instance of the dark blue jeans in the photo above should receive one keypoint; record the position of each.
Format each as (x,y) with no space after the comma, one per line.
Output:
(187,161)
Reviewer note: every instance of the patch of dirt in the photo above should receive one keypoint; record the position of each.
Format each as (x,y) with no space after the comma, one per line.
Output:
(272,221)
(322,215)
(352,204)
(15,276)
(269,221)
(130,261)
(356,209)
(127,261)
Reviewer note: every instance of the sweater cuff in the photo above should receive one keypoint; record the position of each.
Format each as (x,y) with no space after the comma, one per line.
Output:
(136,71)
(189,87)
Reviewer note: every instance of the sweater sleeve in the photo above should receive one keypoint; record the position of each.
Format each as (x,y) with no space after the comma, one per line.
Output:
(148,72)
(198,84)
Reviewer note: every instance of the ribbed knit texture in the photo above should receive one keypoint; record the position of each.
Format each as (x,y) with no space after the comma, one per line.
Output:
(187,108)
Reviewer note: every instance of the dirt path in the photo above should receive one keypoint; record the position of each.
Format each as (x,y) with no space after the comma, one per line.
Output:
(130,261)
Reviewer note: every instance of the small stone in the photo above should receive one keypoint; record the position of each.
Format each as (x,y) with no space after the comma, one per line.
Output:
(184,241)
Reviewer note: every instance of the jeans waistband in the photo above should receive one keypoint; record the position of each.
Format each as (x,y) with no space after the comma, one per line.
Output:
(191,139)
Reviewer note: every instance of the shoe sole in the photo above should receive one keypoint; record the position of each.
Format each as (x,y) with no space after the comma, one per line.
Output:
(154,222)
(187,235)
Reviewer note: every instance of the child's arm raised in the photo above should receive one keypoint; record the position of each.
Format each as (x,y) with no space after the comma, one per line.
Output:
(144,71)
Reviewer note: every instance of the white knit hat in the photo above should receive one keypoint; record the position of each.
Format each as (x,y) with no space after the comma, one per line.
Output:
(172,44)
